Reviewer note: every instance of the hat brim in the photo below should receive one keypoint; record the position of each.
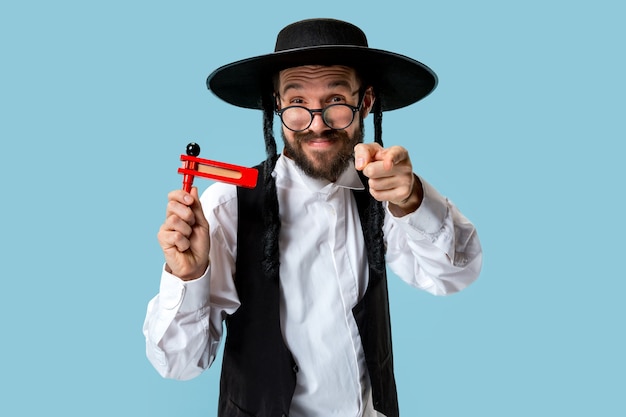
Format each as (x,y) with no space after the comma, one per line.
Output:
(398,80)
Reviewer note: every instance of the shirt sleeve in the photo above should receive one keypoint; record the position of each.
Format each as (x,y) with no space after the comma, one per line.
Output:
(177,328)
(183,325)
(435,248)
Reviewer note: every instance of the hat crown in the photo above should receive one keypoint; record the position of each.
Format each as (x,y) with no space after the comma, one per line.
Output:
(319,32)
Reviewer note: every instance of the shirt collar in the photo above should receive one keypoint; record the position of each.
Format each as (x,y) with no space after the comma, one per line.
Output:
(348,179)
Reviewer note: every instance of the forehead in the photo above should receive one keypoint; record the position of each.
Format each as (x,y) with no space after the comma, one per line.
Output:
(317,77)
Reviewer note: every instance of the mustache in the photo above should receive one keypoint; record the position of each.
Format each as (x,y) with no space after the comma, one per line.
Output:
(301,137)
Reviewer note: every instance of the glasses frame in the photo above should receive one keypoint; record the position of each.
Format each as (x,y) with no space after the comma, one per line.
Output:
(322,112)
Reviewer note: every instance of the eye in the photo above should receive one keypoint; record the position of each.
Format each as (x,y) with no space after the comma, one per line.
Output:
(337,99)
(296,100)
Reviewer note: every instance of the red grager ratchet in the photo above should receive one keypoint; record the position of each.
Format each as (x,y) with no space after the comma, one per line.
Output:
(219,171)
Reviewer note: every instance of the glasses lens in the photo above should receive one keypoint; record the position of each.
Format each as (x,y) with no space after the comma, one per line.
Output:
(296,118)
(338,116)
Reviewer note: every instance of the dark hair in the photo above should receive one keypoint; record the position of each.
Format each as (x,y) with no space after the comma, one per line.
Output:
(376,215)
(271,219)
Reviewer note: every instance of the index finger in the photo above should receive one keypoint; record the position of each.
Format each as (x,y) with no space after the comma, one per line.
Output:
(393,156)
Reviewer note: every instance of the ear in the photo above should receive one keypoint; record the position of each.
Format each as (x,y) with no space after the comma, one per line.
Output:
(368,102)
(276,101)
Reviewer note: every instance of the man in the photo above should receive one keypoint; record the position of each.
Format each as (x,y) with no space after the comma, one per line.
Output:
(296,267)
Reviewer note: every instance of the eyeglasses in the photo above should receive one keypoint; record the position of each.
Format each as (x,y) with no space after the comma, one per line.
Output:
(335,116)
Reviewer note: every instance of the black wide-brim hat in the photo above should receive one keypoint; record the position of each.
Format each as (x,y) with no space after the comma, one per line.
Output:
(398,80)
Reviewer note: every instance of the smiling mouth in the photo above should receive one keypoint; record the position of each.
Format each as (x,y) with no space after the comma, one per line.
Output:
(319,140)
(319,143)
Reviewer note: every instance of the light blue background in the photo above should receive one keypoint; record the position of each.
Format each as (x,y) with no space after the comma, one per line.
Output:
(524,133)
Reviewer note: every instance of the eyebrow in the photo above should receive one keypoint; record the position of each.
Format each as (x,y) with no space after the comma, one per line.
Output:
(330,85)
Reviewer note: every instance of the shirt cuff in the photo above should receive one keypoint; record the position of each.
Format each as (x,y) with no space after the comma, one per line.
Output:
(184,296)
(429,217)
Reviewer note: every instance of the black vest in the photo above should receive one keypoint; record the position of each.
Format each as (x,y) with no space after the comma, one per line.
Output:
(258,371)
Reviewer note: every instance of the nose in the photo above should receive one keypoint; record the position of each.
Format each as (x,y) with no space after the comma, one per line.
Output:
(318,124)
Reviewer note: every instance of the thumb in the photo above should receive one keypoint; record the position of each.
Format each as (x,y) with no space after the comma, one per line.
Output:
(196,207)
(364,153)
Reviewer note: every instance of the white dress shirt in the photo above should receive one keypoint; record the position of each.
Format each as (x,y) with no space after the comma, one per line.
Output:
(323,274)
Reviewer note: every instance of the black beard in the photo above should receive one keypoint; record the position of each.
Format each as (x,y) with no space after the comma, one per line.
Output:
(329,166)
